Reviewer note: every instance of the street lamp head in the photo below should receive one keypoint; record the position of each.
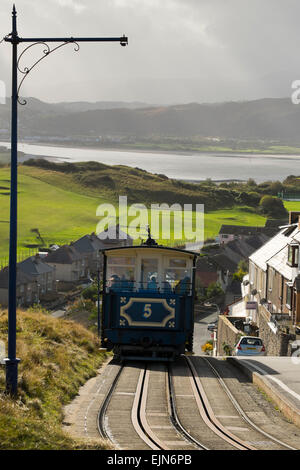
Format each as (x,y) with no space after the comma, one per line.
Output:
(124,40)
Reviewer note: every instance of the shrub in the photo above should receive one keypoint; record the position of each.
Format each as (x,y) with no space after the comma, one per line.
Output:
(207,347)
(91,293)
(95,179)
(214,289)
(272,206)
(82,305)
(227,349)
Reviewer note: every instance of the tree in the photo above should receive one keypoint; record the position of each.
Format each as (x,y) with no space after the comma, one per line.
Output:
(272,206)
(252,198)
(244,265)
(242,270)
(276,187)
(214,289)
(251,182)
(38,235)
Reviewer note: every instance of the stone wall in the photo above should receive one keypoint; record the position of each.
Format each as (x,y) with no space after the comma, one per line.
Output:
(228,335)
(276,343)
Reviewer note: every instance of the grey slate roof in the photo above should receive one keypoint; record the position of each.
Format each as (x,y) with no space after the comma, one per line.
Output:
(276,222)
(224,262)
(64,255)
(205,265)
(88,244)
(245,247)
(279,263)
(34,266)
(111,240)
(274,248)
(22,278)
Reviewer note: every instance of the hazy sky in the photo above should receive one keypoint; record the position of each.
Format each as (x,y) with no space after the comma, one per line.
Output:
(179,50)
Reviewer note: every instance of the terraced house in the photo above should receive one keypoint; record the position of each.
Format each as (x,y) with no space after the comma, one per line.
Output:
(274,273)
(69,264)
(35,280)
(42,273)
(27,289)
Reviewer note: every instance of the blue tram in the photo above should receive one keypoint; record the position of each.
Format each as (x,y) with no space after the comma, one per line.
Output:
(148,301)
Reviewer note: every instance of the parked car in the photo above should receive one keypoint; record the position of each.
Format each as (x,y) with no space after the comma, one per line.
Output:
(250,346)
(213,325)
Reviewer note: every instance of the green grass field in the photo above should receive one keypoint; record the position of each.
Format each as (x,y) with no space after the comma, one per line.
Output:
(63,210)
(61,215)
(292,206)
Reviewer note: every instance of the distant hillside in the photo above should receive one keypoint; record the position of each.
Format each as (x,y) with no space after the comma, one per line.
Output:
(79,106)
(265,119)
(31,113)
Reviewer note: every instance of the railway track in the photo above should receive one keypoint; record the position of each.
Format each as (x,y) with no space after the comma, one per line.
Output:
(242,413)
(161,407)
(150,411)
(207,414)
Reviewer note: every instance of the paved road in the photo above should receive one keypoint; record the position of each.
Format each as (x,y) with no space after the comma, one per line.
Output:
(282,372)
(201,333)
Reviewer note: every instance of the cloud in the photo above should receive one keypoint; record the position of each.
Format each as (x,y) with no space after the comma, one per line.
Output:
(205,50)
(77,7)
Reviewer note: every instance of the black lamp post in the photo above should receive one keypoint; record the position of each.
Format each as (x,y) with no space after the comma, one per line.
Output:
(12,361)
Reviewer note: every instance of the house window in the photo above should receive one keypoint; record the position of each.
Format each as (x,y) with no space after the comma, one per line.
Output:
(289,296)
(251,273)
(271,278)
(280,287)
(261,281)
(293,254)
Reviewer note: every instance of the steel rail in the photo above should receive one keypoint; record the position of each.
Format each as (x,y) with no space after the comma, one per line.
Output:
(138,412)
(242,412)
(208,415)
(142,414)
(174,416)
(139,418)
(102,412)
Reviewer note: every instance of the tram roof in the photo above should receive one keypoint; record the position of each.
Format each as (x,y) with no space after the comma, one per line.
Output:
(151,247)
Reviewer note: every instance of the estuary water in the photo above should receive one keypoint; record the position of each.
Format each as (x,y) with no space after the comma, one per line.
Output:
(197,166)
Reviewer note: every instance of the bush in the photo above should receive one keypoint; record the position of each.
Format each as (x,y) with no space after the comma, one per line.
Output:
(214,289)
(238,275)
(207,347)
(252,198)
(82,305)
(272,206)
(91,293)
(227,349)
(95,179)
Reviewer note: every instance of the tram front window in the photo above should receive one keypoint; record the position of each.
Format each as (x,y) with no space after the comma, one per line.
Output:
(177,277)
(149,274)
(120,273)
